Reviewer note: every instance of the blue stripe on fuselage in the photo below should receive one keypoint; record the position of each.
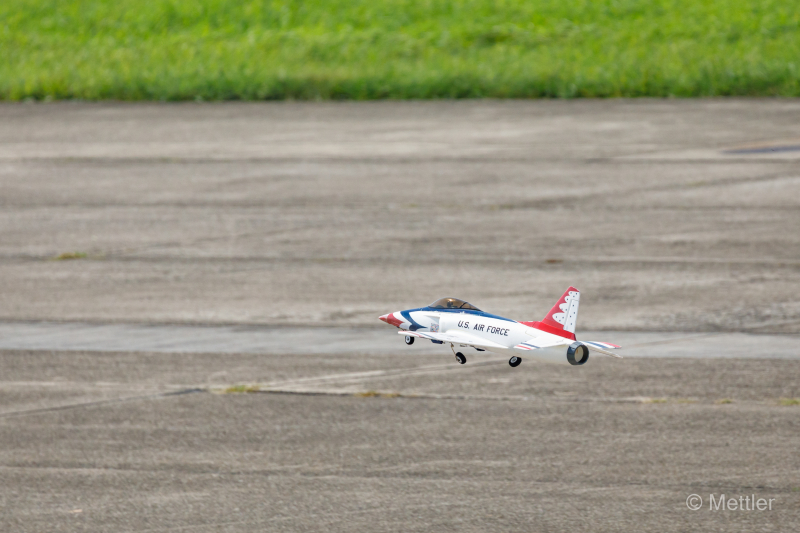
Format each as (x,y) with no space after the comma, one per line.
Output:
(466,311)
(407,315)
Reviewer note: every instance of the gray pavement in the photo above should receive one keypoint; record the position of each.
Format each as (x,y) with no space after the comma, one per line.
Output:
(331,214)
(189,293)
(397,441)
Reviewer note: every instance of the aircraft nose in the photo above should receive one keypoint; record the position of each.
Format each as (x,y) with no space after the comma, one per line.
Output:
(391,319)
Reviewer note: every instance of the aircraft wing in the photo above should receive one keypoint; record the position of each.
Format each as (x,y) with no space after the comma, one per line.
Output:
(455,338)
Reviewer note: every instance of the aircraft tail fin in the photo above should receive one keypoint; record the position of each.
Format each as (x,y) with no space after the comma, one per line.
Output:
(564,315)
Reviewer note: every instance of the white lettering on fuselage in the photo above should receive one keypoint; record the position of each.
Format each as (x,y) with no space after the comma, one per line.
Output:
(484,327)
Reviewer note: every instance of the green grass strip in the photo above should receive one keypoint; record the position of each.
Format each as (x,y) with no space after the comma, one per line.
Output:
(368,49)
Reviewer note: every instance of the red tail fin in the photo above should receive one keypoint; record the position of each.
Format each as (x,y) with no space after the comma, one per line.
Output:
(564,314)
(561,319)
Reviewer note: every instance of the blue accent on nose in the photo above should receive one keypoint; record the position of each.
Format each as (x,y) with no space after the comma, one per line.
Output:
(407,316)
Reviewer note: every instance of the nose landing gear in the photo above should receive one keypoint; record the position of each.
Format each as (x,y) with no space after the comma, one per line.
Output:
(514,361)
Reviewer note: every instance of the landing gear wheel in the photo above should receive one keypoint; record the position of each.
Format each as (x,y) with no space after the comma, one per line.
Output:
(409,340)
(514,361)
(461,358)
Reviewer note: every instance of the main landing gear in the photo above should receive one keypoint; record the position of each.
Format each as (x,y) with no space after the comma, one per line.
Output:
(409,340)
(514,361)
(460,357)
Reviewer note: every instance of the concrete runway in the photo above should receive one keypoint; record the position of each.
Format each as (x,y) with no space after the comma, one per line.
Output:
(397,441)
(211,359)
(668,215)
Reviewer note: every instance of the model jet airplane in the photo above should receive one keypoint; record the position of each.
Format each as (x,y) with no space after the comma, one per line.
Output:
(454,321)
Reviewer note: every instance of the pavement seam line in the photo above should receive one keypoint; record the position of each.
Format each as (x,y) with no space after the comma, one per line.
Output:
(11,414)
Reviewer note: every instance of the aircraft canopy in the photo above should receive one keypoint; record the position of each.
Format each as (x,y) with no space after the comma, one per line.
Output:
(452,303)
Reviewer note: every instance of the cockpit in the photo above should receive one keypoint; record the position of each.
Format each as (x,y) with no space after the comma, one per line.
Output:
(452,303)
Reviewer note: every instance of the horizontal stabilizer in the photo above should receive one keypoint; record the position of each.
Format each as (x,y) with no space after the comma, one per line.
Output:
(536,344)
(602,347)
(599,347)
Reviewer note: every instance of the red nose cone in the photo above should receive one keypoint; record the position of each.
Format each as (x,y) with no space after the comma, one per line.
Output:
(391,319)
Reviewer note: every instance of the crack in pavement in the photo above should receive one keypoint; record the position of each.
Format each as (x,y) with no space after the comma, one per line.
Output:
(39,410)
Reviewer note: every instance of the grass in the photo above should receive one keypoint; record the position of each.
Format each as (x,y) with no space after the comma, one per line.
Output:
(668,400)
(241,389)
(368,49)
(789,401)
(68,256)
(376,394)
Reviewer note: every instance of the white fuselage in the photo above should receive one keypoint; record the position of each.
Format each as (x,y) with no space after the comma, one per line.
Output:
(501,331)
(493,330)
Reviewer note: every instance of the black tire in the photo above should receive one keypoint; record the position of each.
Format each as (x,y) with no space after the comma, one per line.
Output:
(409,340)
(514,361)
(461,358)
